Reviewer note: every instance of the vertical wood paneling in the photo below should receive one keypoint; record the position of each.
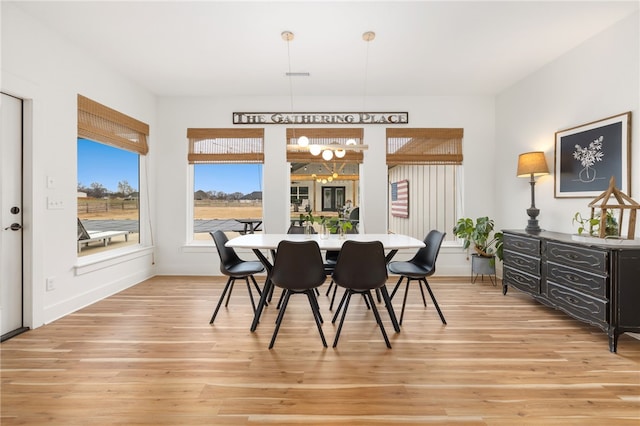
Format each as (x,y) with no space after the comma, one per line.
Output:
(432,198)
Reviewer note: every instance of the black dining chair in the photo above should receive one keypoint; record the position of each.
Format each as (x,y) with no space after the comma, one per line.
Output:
(298,269)
(421,266)
(361,267)
(232,266)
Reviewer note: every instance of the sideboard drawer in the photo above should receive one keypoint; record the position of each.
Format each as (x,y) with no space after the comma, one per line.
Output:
(578,257)
(522,262)
(578,305)
(526,245)
(580,281)
(525,282)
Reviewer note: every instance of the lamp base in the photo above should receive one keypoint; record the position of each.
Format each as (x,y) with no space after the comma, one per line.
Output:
(532,224)
(532,227)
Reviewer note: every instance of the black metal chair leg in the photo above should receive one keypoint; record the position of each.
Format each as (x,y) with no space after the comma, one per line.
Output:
(347,295)
(333,298)
(253,303)
(316,315)
(378,319)
(344,297)
(329,288)
(435,303)
(287,294)
(404,300)
(215,312)
(389,306)
(422,292)
(393,293)
(233,281)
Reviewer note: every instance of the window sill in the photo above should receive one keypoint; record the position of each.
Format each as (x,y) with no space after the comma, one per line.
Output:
(91,263)
(197,246)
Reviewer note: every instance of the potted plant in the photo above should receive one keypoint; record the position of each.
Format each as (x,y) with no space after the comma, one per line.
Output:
(593,224)
(485,241)
(340,226)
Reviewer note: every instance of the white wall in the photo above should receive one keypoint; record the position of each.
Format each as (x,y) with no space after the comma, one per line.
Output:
(598,79)
(48,73)
(176,255)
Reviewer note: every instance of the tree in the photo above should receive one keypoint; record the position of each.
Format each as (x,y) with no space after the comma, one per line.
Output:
(97,190)
(124,188)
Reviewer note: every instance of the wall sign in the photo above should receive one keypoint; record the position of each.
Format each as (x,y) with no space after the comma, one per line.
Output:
(319,118)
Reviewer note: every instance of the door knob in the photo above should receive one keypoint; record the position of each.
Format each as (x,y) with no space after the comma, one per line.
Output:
(14,227)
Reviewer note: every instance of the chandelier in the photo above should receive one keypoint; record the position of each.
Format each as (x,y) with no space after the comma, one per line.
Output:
(334,149)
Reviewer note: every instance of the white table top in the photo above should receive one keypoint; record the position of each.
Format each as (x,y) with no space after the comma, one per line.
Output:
(332,242)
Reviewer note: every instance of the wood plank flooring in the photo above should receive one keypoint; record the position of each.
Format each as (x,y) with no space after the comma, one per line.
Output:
(148,356)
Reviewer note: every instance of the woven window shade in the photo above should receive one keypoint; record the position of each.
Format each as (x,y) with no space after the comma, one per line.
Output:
(324,136)
(210,146)
(102,124)
(424,146)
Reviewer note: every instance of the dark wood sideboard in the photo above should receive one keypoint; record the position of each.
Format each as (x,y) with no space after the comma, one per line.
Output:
(596,283)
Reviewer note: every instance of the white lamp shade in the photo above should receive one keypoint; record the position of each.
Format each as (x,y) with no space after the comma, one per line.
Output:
(327,154)
(340,153)
(303,141)
(315,149)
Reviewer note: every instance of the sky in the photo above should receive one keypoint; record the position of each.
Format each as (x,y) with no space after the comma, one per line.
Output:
(229,178)
(108,165)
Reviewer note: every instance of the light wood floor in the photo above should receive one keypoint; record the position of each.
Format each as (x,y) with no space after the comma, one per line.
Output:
(149,356)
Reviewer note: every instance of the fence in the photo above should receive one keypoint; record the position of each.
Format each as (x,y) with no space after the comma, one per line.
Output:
(106,205)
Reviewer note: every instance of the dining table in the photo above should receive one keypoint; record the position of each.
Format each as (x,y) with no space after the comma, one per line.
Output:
(259,243)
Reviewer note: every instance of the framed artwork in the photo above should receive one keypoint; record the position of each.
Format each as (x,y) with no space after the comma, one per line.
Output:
(587,156)
(400,199)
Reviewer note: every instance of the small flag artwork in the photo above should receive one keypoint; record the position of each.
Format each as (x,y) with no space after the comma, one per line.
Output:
(400,198)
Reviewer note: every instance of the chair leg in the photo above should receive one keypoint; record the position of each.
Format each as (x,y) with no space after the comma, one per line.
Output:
(389,306)
(393,293)
(253,302)
(424,301)
(255,284)
(215,312)
(233,281)
(378,319)
(404,300)
(329,288)
(333,298)
(435,303)
(316,314)
(345,299)
(286,295)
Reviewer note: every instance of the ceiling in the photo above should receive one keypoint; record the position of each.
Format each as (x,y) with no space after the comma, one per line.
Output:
(218,48)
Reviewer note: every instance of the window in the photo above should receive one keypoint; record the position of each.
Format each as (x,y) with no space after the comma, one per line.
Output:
(424,180)
(329,186)
(110,145)
(227,178)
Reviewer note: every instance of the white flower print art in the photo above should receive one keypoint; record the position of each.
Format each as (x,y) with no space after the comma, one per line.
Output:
(588,156)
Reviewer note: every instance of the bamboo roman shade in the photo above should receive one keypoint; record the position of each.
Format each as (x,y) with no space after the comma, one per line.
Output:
(424,146)
(102,124)
(210,146)
(325,136)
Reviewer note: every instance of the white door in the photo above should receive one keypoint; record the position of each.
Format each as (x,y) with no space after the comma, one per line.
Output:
(11,217)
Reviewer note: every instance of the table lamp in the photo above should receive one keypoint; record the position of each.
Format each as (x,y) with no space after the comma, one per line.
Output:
(531,164)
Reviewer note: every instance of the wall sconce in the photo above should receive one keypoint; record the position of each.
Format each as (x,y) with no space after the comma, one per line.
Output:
(532,164)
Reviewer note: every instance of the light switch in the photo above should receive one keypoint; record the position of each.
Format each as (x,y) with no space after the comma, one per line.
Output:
(54,204)
(51,182)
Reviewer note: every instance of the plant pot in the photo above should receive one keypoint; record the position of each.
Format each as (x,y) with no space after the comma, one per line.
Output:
(482,265)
